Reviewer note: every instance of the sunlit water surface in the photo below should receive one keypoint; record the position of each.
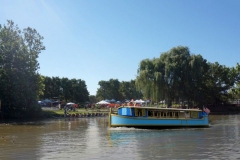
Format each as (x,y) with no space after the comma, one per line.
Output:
(91,138)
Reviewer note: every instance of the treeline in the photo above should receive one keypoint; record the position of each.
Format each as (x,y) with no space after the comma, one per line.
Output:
(178,76)
(74,90)
(113,89)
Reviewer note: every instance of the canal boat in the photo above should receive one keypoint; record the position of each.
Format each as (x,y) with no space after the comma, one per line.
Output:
(131,116)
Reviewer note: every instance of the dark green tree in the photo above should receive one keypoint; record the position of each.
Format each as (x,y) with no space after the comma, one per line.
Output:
(128,90)
(113,89)
(20,82)
(65,89)
(219,80)
(180,76)
(105,90)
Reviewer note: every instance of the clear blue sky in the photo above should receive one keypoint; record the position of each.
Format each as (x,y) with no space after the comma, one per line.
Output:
(96,40)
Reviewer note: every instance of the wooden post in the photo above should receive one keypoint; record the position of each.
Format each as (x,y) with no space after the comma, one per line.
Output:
(109,118)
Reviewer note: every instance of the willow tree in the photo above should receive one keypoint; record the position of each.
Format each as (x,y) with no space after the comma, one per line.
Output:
(159,85)
(145,78)
(198,69)
(177,73)
(172,77)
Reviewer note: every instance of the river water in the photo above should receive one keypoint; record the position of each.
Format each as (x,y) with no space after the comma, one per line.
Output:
(91,138)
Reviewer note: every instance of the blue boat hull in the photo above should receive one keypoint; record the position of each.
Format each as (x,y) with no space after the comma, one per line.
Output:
(119,120)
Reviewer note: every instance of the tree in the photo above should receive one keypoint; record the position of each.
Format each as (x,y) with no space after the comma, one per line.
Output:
(113,89)
(145,78)
(20,82)
(167,77)
(179,76)
(219,80)
(108,89)
(235,90)
(128,90)
(65,89)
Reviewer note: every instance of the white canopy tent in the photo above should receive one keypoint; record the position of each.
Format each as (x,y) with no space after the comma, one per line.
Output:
(102,102)
(139,101)
(70,103)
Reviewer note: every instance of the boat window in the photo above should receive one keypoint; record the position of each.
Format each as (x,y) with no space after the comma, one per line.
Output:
(163,114)
(149,114)
(140,112)
(124,111)
(177,114)
(170,114)
(187,115)
(167,114)
(181,114)
(143,112)
(194,114)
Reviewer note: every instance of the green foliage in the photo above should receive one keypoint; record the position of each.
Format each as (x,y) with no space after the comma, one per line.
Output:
(19,81)
(179,76)
(113,89)
(92,99)
(128,90)
(65,89)
(235,90)
(219,80)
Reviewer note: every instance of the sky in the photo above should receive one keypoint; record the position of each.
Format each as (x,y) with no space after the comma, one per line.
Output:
(95,40)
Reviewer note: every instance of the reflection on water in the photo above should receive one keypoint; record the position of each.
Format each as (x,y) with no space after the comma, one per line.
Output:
(165,143)
(90,138)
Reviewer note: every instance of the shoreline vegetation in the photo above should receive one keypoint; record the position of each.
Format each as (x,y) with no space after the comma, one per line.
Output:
(55,112)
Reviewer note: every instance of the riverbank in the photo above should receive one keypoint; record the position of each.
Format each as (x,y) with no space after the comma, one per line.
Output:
(82,112)
(224,109)
(53,112)
(79,112)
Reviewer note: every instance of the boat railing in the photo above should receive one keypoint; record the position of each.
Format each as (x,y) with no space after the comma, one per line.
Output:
(113,110)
